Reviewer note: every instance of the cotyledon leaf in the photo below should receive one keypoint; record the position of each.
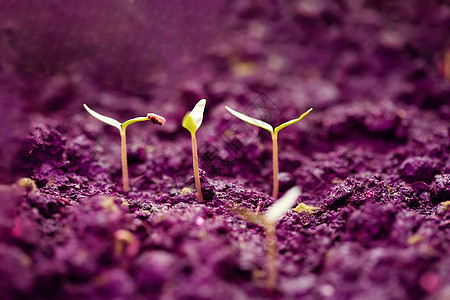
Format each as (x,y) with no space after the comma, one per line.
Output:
(250,120)
(278,128)
(193,119)
(279,208)
(105,119)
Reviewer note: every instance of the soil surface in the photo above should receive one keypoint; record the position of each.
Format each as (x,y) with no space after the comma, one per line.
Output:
(372,158)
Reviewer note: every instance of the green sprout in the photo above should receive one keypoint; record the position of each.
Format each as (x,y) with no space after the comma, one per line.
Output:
(274,134)
(192,121)
(269,221)
(154,118)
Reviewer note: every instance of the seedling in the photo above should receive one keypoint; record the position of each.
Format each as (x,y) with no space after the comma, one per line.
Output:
(154,118)
(274,134)
(269,221)
(192,121)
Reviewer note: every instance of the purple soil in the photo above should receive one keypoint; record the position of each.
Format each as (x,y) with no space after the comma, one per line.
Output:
(372,157)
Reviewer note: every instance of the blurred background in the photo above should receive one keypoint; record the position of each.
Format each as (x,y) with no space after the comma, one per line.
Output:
(131,56)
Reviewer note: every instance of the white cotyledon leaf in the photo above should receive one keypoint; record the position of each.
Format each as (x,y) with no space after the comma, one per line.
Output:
(105,119)
(281,207)
(250,120)
(197,112)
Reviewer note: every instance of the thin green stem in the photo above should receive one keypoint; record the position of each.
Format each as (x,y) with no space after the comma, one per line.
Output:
(123,139)
(196,171)
(275,164)
(272,255)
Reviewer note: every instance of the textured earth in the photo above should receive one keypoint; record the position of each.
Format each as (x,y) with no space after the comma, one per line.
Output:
(372,159)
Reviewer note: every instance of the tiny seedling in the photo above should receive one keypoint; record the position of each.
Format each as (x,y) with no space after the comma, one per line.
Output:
(192,121)
(154,118)
(269,221)
(274,134)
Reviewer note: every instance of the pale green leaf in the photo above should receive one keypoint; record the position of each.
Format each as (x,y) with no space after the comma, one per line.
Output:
(105,119)
(156,119)
(250,120)
(278,128)
(189,124)
(134,120)
(282,206)
(193,119)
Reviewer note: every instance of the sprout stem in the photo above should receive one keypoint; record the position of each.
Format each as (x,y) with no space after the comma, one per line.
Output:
(275,164)
(123,140)
(196,171)
(272,253)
